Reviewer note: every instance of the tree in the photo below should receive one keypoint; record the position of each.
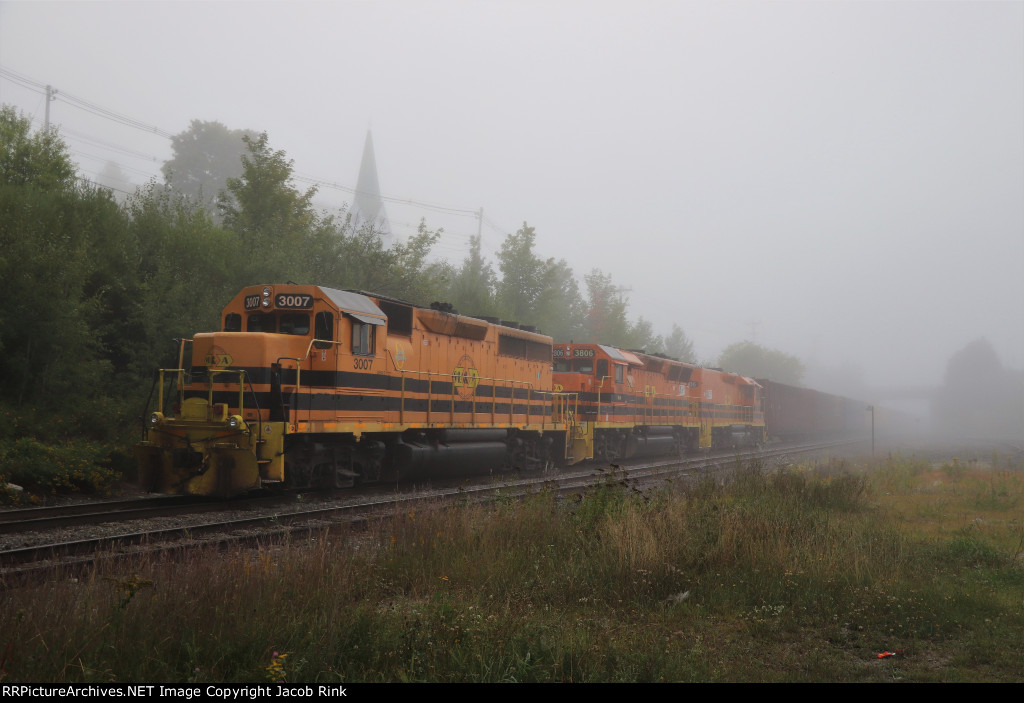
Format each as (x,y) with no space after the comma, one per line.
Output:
(186,270)
(113,178)
(206,156)
(363,262)
(62,261)
(276,223)
(472,287)
(605,318)
(641,336)
(559,305)
(980,397)
(749,359)
(535,291)
(678,345)
(26,159)
(520,274)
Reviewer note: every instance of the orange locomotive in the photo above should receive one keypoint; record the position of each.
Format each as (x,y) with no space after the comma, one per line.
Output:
(307,386)
(630,403)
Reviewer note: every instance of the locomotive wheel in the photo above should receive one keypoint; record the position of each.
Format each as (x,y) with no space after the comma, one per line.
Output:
(343,471)
(609,446)
(344,478)
(299,474)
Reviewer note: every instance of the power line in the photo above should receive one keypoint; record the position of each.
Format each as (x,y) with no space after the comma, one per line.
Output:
(109,145)
(87,155)
(401,201)
(83,104)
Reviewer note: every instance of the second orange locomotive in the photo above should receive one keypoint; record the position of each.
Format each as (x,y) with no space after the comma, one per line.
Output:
(637,404)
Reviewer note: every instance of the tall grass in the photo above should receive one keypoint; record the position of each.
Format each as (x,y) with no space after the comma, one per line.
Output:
(803,574)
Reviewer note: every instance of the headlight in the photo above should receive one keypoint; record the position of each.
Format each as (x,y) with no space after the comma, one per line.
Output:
(155,419)
(235,422)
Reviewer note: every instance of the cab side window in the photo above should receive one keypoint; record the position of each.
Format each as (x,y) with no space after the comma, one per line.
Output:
(324,330)
(602,368)
(619,373)
(363,338)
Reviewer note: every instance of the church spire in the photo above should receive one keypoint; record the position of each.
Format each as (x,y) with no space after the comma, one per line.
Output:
(367,205)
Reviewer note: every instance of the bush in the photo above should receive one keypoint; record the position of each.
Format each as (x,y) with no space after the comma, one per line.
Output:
(72,466)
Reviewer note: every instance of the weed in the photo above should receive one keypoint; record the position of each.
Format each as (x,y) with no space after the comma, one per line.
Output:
(802,575)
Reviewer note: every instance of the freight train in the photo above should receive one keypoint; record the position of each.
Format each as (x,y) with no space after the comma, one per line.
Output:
(308,386)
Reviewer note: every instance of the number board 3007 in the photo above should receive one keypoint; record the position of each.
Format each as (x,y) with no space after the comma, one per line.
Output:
(287,300)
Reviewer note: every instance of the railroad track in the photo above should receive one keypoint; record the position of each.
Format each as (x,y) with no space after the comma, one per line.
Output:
(133,531)
(93,513)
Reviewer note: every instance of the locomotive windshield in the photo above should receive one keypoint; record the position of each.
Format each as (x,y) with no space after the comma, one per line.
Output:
(574,366)
(296,323)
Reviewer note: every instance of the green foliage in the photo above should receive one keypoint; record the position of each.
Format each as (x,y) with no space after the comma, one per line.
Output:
(606,311)
(559,304)
(749,359)
(641,336)
(206,156)
(179,250)
(520,274)
(605,501)
(39,160)
(679,346)
(278,229)
(472,285)
(59,253)
(403,271)
(535,291)
(57,468)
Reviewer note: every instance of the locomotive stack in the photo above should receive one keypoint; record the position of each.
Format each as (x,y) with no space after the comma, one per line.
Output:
(313,386)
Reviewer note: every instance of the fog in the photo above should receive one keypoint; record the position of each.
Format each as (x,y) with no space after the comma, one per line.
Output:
(843,181)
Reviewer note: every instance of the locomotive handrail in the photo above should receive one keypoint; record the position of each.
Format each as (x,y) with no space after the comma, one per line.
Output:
(298,366)
(241,385)
(507,382)
(181,360)
(160,392)
(600,389)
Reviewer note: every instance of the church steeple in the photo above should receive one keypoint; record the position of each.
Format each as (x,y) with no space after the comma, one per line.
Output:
(367,205)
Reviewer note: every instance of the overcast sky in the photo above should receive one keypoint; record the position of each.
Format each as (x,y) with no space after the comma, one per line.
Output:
(843,181)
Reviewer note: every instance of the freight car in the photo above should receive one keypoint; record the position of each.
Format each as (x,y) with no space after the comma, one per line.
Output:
(311,386)
(792,413)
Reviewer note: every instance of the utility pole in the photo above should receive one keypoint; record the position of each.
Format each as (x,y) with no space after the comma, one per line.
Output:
(753,330)
(51,95)
(872,409)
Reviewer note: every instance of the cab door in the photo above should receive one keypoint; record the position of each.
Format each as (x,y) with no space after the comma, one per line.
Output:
(323,364)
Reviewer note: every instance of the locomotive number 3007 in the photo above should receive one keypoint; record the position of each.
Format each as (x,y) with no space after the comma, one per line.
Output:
(293,301)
